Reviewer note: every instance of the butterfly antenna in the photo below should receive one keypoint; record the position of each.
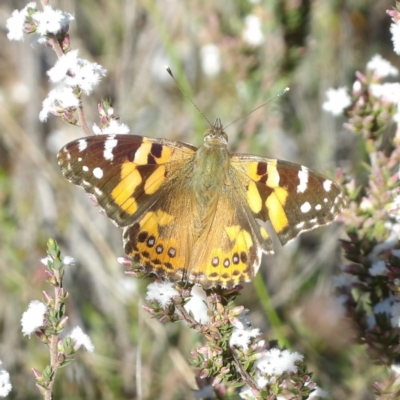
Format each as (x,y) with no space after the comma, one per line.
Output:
(262,105)
(186,95)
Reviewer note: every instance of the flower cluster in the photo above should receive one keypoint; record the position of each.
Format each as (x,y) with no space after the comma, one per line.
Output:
(5,385)
(44,23)
(109,122)
(47,321)
(235,354)
(73,75)
(369,288)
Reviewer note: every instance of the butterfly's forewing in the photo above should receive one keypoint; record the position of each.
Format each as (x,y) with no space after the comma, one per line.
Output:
(292,197)
(123,172)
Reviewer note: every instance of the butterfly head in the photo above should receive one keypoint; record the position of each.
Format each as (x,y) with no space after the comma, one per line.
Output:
(215,136)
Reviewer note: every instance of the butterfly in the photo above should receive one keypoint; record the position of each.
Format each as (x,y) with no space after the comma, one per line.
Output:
(192,214)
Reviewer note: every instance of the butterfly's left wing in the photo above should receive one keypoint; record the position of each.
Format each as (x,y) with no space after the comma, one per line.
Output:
(123,172)
(292,197)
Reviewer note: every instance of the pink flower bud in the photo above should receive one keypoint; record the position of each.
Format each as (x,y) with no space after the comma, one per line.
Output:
(48,275)
(100,110)
(236,323)
(62,323)
(91,196)
(126,262)
(36,373)
(237,310)
(148,309)
(47,297)
(217,380)
(41,389)
(204,374)
(361,77)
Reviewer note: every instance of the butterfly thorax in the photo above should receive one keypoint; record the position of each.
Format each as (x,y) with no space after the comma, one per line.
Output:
(209,175)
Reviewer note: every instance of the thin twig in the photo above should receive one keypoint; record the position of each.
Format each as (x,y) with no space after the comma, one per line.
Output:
(54,362)
(82,120)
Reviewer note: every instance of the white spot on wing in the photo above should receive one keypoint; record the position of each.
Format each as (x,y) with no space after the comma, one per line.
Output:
(305,207)
(108,147)
(85,168)
(318,207)
(327,185)
(98,191)
(79,159)
(98,173)
(82,144)
(303,178)
(300,225)
(325,200)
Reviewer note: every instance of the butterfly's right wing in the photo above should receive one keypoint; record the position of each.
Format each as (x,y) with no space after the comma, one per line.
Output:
(292,197)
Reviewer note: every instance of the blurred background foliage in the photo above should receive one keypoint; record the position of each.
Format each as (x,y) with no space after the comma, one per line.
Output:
(306,45)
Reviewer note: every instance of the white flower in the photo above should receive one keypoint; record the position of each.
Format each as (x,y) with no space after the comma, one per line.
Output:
(395,368)
(68,260)
(242,337)
(395,315)
(197,306)
(378,268)
(381,67)
(262,381)
(58,99)
(276,362)
(390,243)
(385,306)
(33,318)
(74,71)
(246,393)
(252,33)
(51,21)
(45,260)
(114,127)
(344,280)
(395,31)
(338,100)
(389,92)
(162,293)
(65,63)
(15,24)
(210,60)
(81,339)
(5,385)
(86,76)
(318,392)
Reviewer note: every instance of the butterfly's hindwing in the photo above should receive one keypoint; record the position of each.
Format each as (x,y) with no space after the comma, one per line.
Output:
(227,252)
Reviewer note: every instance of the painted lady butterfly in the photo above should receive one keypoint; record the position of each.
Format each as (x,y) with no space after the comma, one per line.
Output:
(191,214)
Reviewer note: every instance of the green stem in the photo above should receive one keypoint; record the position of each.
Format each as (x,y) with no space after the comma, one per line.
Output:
(272,315)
